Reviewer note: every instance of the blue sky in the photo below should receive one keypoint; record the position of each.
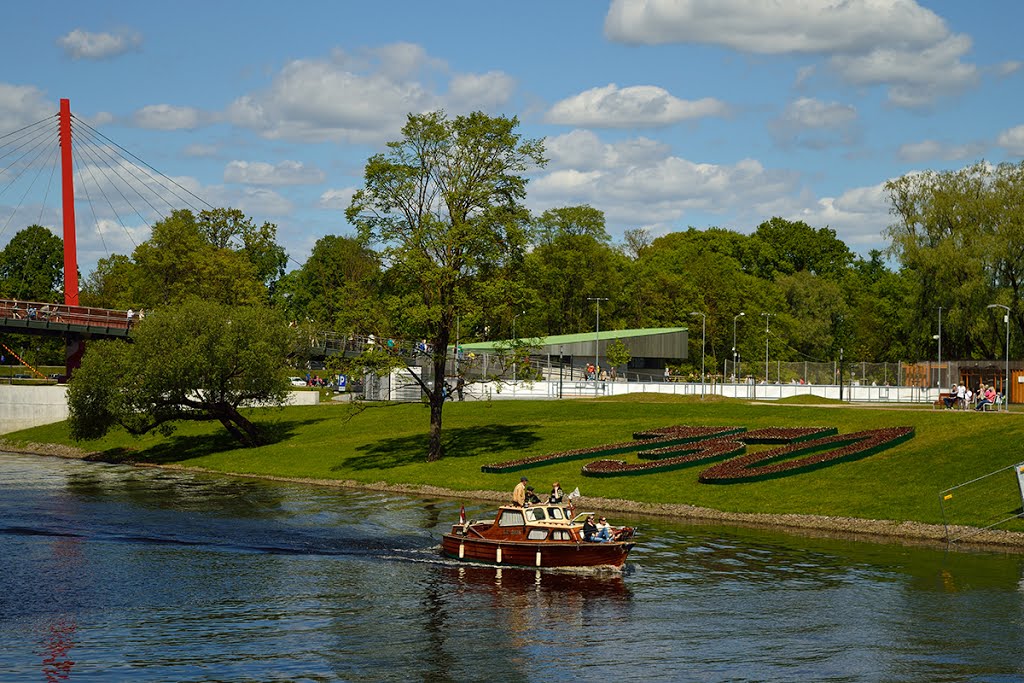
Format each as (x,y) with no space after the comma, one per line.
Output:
(664,114)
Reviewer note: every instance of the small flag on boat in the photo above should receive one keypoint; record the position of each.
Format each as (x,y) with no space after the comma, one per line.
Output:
(575,493)
(462,515)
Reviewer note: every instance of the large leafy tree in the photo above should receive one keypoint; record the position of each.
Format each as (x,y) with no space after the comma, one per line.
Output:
(32,265)
(218,255)
(197,361)
(445,204)
(338,285)
(959,236)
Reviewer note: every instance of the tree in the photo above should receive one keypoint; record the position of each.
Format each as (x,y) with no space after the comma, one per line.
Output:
(232,230)
(32,265)
(197,361)
(338,285)
(959,236)
(445,204)
(788,247)
(618,354)
(571,220)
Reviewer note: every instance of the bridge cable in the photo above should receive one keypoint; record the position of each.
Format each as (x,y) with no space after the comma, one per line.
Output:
(148,166)
(29,188)
(49,184)
(92,208)
(91,152)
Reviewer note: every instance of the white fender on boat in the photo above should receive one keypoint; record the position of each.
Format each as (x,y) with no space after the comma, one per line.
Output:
(462,551)
(538,557)
(497,556)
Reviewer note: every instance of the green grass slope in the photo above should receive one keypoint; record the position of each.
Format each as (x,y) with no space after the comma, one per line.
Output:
(387,443)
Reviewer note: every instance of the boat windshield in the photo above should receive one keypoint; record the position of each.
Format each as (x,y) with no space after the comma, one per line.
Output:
(511,518)
(555,513)
(535,514)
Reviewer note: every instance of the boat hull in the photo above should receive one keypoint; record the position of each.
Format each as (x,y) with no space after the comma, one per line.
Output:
(535,554)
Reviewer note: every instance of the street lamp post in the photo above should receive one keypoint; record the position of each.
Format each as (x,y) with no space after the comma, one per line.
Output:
(703,329)
(1006,386)
(939,383)
(767,317)
(561,367)
(735,356)
(597,334)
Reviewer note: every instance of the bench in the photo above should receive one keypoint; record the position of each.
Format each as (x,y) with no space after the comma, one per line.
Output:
(941,403)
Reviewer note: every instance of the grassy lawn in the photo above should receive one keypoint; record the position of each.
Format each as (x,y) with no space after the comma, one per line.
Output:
(387,443)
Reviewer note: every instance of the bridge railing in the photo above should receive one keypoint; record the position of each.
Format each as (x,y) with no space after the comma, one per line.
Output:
(42,311)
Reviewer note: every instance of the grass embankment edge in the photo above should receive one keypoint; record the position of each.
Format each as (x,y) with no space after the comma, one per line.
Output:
(852,528)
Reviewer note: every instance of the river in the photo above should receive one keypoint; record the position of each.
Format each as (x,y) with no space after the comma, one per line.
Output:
(113,573)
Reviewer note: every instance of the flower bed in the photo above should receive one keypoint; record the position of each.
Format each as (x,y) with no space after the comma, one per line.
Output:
(666,436)
(703,452)
(821,452)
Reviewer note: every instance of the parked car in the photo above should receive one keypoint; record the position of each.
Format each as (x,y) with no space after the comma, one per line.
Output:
(297,381)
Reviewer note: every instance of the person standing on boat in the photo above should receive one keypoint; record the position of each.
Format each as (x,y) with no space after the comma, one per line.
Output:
(519,492)
(531,496)
(556,494)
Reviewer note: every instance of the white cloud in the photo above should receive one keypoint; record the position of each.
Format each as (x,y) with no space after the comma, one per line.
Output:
(809,122)
(859,215)
(1008,68)
(361,99)
(581,148)
(487,91)
(634,106)
(1012,140)
(79,44)
(915,77)
(281,173)
(21,105)
(927,150)
(339,198)
(637,182)
(201,151)
(801,26)
(167,117)
(895,43)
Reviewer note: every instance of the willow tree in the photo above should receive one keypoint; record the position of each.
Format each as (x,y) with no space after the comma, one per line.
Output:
(197,361)
(445,206)
(960,237)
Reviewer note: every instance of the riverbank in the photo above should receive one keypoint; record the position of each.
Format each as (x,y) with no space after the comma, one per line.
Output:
(851,528)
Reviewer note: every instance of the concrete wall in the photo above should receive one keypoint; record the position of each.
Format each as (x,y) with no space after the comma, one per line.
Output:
(22,407)
(29,406)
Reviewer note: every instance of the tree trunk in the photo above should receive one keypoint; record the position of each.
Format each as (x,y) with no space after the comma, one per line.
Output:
(436,395)
(436,450)
(241,428)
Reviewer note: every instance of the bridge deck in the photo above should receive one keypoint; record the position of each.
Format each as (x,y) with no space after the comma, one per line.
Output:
(33,317)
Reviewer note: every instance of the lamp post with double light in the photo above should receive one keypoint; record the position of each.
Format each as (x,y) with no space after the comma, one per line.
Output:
(767,317)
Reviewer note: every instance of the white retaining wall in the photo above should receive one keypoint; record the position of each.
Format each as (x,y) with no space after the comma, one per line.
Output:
(22,407)
(767,392)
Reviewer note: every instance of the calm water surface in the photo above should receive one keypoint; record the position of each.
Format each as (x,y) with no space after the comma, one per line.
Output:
(115,573)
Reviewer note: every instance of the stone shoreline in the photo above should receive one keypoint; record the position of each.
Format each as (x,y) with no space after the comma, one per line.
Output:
(852,528)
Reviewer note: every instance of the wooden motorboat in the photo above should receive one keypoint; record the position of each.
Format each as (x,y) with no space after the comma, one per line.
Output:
(543,535)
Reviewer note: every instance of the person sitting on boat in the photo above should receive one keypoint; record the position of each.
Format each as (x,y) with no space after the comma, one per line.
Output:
(604,531)
(519,492)
(531,496)
(589,529)
(556,494)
